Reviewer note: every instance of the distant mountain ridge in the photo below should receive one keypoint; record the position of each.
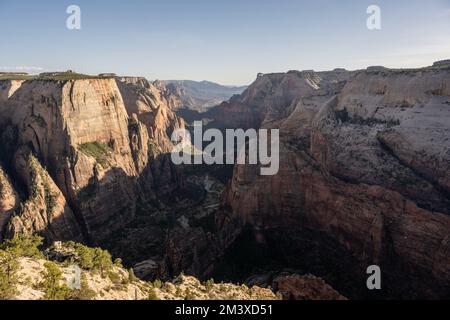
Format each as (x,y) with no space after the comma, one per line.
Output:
(201,96)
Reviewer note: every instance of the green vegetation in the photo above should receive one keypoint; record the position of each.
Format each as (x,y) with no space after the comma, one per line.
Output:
(91,259)
(157,284)
(209,285)
(152,295)
(85,292)
(131,276)
(54,290)
(114,277)
(10,251)
(50,76)
(8,274)
(33,164)
(49,276)
(15,76)
(36,171)
(64,76)
(118,263)
(51,284)
(98,150)
(23,246)
(50,200)
(28,247)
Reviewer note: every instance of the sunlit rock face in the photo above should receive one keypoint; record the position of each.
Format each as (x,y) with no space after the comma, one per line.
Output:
(364,163)
(92,147)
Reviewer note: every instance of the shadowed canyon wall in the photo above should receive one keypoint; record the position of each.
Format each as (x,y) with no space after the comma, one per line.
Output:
(365,161)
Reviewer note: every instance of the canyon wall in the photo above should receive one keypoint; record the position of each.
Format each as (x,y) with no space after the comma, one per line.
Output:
(85,148)
(9,200)
(364,169)
(364,173)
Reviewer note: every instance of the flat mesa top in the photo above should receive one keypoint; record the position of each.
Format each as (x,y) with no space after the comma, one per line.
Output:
(53,76)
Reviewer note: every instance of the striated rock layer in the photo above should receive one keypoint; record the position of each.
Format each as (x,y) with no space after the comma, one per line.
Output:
(8,200)
(97,153)
(364,169)
(152,104)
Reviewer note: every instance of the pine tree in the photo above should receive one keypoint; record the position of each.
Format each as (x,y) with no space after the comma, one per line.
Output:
(157,284)
(8,274)
(118,263)
(209,285)
(102,260)
(85,292)
(131,275)
(51,285)
(24,246)
(152,295)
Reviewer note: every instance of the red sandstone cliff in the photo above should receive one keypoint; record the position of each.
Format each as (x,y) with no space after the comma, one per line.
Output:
(90,149)
(364,168)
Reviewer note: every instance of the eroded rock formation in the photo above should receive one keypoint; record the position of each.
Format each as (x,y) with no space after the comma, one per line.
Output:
(153,106)
(364,169)
(364,175)
(9,200)
(97,153)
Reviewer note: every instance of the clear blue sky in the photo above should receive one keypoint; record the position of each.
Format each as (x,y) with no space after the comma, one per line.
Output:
(227,41)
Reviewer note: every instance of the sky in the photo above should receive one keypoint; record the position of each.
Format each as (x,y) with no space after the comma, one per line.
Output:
(226,41)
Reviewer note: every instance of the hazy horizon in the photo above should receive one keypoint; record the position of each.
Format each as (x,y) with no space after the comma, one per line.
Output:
(227,43)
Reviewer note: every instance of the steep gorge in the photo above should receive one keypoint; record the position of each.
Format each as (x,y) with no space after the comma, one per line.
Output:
(364,165)
(364,178)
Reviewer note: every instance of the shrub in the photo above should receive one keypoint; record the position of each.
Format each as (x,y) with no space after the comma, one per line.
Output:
(85,292)
(84,256)
(8,275)
(51,285)
(24,246)
(157,284)
(15,76)
(114,277)
(94,259)
(98,150)
(102,260)
(50,199)
(152,295)
(64,76)
(209,284)
(131,276)
(118,263)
